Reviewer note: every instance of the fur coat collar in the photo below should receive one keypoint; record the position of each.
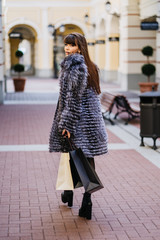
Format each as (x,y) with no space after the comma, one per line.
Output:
(73,76)
(71,60)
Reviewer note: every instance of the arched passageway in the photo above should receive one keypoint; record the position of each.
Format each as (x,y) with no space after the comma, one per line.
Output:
(23,37)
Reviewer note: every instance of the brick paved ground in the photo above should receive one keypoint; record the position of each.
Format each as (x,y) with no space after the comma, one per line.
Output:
(128,208)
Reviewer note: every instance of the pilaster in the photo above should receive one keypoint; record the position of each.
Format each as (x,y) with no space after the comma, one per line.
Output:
(45,50)
(43,68)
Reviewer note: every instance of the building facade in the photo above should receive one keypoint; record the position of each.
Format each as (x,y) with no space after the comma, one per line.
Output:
(112,29)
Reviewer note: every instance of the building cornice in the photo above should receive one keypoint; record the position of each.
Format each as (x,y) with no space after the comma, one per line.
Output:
(148,3)
(93,2)
(47,4)
(148,8)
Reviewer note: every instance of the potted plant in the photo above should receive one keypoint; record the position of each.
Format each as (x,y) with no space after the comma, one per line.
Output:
(148,69)
(19,82)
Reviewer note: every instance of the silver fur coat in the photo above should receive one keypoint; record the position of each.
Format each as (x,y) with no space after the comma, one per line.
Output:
(78,110)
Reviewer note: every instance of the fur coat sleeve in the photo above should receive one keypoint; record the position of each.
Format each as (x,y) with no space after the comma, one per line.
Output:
(73,82)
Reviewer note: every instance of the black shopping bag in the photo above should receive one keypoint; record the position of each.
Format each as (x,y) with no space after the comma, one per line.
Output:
(83,173)
(75,176)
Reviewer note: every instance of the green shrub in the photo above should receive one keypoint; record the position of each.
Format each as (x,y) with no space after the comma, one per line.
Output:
(18,54)
(148,69)
(19,68)
(147,51)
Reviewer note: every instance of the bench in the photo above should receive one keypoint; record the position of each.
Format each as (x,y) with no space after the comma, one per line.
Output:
(108,101)
(121,104)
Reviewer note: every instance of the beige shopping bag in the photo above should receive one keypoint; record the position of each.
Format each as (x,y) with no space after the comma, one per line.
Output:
(64,178)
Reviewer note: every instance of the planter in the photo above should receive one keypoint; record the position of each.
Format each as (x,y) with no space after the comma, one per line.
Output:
(19,84)
(148,86)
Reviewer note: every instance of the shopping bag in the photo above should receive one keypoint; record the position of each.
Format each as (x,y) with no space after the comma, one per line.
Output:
(86,173)
(64,178)
(75,175)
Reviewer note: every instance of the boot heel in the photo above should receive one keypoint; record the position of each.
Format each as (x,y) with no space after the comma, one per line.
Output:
(63,198)
(82,212)
(88,214)
(70,200)
(86,211)
(86,207)
(67,197)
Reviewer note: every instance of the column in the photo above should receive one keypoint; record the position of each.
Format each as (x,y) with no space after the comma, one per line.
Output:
(43,67)
(91,48)
(45,37)
(112,47)
(100,56)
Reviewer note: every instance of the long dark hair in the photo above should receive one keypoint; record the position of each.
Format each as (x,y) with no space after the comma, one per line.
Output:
(93,76)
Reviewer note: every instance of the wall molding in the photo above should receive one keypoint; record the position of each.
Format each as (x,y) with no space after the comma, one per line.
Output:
(46,4)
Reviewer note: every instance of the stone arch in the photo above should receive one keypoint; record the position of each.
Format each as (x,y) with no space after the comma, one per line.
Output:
(72,21)
(114,25)
(23,21)
(29,34)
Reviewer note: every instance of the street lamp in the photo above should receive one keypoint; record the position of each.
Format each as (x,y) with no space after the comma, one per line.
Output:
(62,28)
(51,28)
(108,9)
(108,6)
(53,31)
(86,19)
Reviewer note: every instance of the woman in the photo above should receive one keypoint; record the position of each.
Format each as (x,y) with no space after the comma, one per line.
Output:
(78,114)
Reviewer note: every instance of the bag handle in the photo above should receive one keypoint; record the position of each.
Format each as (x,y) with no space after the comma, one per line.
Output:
(71,144)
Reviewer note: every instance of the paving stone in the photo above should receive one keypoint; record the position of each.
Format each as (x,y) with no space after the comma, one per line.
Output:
(30,207)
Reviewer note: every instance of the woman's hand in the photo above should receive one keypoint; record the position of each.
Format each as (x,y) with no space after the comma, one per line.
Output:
(66,133)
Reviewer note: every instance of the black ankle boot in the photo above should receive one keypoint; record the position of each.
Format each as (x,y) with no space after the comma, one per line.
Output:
(67,196)
(86,208)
